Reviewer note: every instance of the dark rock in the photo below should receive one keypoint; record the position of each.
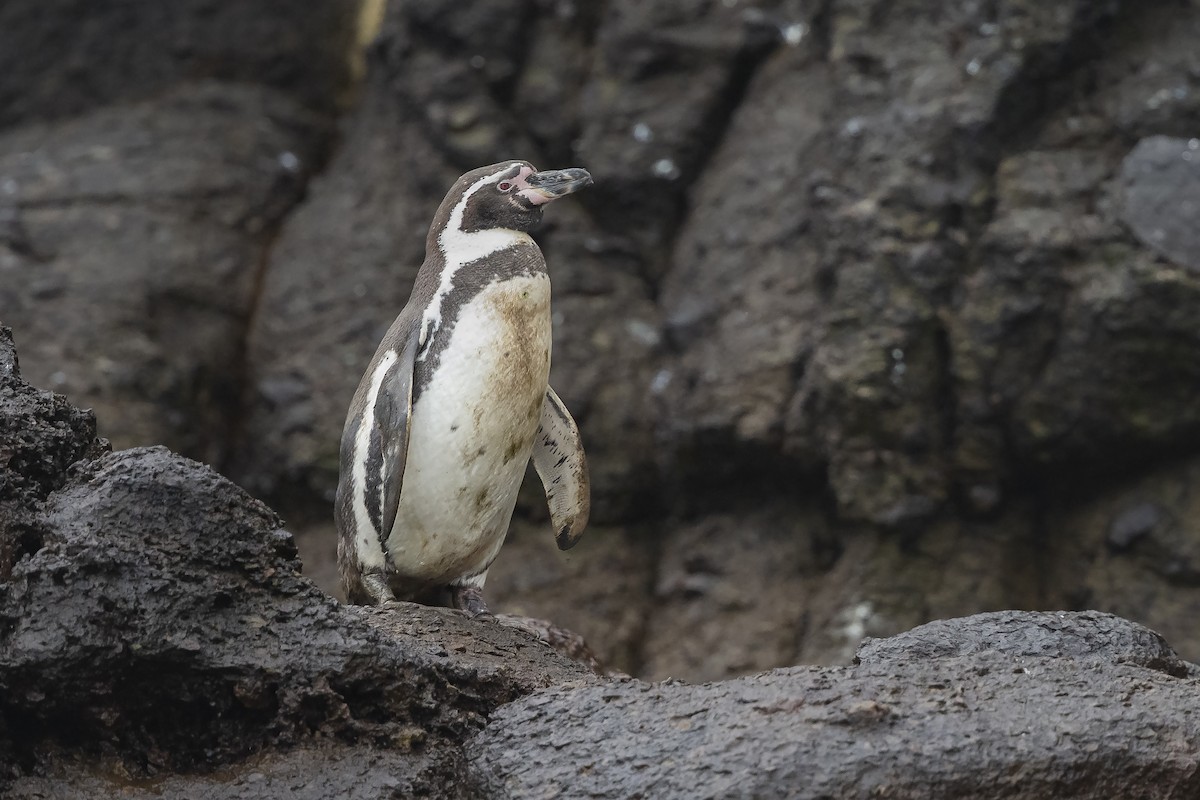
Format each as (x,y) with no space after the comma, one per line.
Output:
(1084,638)
(862,302)
(1066,346)
(154,623)
(726,602)
(150,220)
(600,588)
(880,583)
(1132,524)
(665,78)
(1154,578)
(158,641)
(1162,196)
(41,435)
(1009,705)
(314,771)
(137,617)
(846,231)
(65,57)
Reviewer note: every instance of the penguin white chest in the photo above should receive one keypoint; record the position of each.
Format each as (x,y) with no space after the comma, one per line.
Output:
(471,434)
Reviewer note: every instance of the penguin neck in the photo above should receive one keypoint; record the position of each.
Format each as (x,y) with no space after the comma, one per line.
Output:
(458,248)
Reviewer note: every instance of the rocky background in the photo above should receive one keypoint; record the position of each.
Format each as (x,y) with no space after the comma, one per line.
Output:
(158,641)
(878,312)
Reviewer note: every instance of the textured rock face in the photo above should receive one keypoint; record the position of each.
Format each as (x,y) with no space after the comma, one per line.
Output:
(41,434)
(999,705)
(64,57)
(155,624)
(131,256)
(875,315)
(157,640)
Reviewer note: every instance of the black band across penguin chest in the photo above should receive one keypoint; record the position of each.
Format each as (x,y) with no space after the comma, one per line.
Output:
(470,281)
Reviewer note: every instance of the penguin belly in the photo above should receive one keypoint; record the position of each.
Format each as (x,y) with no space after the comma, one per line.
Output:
(471,434)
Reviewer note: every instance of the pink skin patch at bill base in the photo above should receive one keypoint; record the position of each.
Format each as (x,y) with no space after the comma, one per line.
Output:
(528,192)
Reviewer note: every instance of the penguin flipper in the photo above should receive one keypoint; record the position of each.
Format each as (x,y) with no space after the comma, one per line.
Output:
(393,410)
(561,464)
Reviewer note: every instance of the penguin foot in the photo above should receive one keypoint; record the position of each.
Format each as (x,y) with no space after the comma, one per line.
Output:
(373,589)
(470,600)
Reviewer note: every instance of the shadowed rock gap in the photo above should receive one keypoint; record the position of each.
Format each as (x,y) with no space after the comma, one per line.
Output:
(240,402)
(762,42)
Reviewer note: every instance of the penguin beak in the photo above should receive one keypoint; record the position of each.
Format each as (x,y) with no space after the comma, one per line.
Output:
(554,183)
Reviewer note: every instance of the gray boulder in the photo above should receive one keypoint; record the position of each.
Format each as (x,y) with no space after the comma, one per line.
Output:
(1009,705)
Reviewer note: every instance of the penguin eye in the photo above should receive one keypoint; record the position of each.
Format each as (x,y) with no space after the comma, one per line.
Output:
(504,186)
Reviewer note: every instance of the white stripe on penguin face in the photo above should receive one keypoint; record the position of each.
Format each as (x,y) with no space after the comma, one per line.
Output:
(461,247)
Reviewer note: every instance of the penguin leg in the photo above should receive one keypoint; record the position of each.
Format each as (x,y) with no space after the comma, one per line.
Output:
(470,600)
(375,586)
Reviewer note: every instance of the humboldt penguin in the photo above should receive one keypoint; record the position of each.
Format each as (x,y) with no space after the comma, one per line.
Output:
(457,401)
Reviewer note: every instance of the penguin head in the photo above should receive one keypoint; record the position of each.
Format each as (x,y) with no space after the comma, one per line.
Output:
(508,195)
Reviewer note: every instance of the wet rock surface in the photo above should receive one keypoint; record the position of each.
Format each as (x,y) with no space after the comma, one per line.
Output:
(874,316)
(41,434)
(62,58)
(134,246)
(158,640)
(1000,705)
(155,623)
(1162,197)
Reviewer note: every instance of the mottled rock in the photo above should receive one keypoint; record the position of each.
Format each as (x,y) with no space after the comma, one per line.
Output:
(141,231)
(154,623)
(1132,524)
(875,281)
(732,593)
(41,434)
(664,80)
(846,233)
(1161,178)
(66,57)
(151,565)
(1066,346)
(1084,638)
(1007,705)
(600,588)
(1132,550)
(882,583)
(314,771)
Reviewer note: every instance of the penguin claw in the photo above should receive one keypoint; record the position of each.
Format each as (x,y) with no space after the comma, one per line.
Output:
(469,600)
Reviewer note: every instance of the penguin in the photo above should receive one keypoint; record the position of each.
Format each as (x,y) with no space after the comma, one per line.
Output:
(456,402)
